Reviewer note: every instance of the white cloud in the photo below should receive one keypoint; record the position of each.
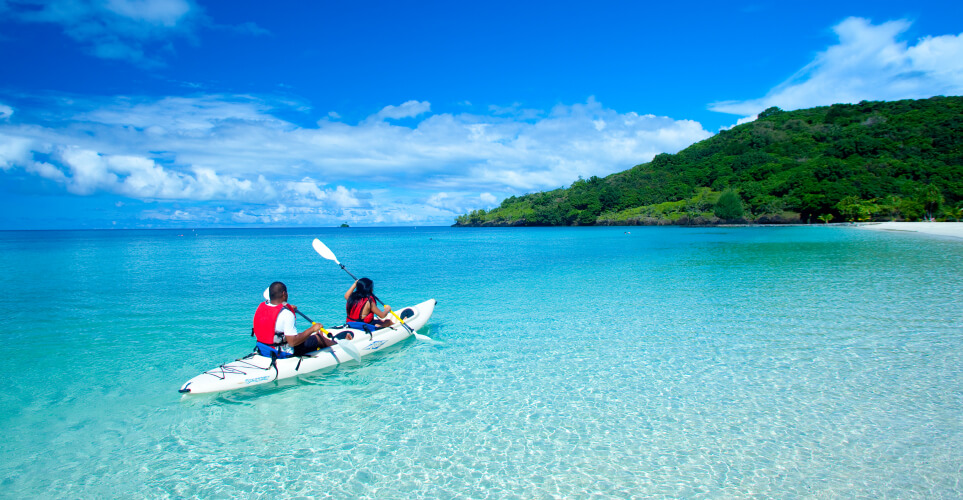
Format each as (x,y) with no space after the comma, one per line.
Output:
(343,197)
(85,172)
(115,29)
(487,198)
(206,148)
(438,199)
(409,109)
(269,216)
(868,63)
(456,203)
(5,111)
(186,116)
(451,202)
(14,150)
(174,215)
(44,169)
(308,192)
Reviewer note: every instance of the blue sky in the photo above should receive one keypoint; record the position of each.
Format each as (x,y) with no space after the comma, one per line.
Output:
(181,113)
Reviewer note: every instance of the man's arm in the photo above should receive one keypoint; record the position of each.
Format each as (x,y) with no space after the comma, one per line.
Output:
(294,340)
(291,335)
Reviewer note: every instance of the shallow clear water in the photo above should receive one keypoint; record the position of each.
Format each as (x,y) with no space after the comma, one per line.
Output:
(568,362)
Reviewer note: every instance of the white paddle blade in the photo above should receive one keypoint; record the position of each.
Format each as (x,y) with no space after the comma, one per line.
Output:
(267,294)
(349,348)
(324,251)
(412,330)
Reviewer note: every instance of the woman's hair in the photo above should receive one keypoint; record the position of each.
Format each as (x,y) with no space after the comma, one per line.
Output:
(363,289)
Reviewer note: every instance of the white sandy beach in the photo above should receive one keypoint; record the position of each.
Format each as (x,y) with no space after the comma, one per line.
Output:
(953,229)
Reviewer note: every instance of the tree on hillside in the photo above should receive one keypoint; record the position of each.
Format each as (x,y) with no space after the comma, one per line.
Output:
(770,112)
(849,208)
(931,198)
(856,209)
(891,205)
(729,206)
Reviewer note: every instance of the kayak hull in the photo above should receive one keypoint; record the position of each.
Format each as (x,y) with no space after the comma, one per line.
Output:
(255,369)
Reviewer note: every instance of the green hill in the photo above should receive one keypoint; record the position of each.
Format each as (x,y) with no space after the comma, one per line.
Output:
(900,160)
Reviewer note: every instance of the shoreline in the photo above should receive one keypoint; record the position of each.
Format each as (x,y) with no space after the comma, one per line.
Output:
(948,229)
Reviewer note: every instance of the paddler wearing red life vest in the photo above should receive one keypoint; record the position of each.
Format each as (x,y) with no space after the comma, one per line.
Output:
(362,306)
(274,326)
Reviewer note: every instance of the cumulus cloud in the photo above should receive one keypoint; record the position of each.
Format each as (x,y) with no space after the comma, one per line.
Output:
(453,202)
(14,150)
(212,148)
(86,172)
(310,193)
(487,198)
(868,63)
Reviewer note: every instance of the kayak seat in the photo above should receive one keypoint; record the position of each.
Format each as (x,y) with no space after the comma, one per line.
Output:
(270,352)
(357,325)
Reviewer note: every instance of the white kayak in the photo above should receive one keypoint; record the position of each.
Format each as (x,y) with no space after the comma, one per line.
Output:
(255,369)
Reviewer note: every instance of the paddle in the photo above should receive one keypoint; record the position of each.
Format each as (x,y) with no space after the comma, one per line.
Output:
(347,346)
(326,252)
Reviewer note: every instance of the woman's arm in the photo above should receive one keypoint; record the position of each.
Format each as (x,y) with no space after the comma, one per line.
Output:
(381,314)
(347,294)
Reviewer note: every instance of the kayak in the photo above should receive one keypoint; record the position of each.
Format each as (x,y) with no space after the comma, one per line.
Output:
(255,369)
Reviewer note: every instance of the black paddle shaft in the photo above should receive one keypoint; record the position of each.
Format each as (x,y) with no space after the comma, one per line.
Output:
(373,295)
(305,316)
(356,279)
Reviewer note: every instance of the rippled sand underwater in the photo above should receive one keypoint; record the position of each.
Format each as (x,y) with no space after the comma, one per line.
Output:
(566,362)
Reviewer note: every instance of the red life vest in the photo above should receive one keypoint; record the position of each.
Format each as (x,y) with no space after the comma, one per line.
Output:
(354,313)
(265,319)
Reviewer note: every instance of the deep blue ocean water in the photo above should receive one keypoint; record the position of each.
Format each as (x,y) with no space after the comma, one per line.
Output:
(567,362)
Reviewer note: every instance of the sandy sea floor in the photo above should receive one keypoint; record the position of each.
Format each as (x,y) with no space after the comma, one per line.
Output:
(953,229)
(819,361)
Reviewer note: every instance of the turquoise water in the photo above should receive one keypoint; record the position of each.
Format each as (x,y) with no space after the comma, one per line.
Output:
(567,362)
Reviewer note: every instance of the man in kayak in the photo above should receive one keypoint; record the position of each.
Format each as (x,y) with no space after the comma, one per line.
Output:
(362,306)
(274,327)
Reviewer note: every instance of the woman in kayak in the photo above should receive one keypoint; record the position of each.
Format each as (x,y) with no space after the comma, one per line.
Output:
(362,305)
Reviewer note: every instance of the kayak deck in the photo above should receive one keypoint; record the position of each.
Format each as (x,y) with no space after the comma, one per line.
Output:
(255,369)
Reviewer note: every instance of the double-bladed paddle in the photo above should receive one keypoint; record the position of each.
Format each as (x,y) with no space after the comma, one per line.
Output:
(326,252)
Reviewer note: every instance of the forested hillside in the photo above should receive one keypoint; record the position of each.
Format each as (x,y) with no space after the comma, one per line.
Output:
(900,160)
